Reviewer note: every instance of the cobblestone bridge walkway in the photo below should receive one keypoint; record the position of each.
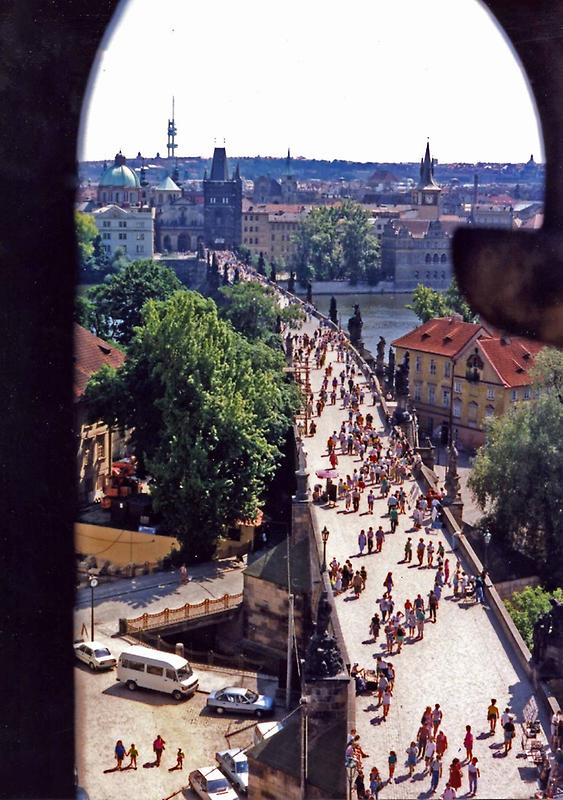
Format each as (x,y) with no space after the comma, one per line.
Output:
(462,662)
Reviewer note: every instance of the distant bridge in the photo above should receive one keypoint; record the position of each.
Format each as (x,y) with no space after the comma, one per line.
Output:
(171,619)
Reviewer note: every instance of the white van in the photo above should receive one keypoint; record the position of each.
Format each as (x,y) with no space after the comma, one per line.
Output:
(152,669)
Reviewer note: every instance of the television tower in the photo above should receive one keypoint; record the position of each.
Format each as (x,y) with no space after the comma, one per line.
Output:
(171,143)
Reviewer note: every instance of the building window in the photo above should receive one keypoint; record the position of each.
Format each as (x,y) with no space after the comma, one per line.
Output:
(436,258)
(100,448)
(432,366)
(418,391)
(123,236)
(141,236)
(446,397)
(418,364)
(212,201)
(457,408)
(431,393)
(447,369)
(225,201)
(457,387)
(443,258)
(514,395)
(489,411)
(472,410)
(490,393)
(122,223)
(526,393)
(428,258)
(107,248)
(106,224)
(106,235)
(140,248)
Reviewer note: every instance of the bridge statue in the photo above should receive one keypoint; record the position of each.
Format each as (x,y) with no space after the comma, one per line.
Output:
(323,658)
(380,358)
(355,324)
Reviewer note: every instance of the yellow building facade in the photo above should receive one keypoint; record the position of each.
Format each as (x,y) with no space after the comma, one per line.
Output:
(270,229)
(462,376)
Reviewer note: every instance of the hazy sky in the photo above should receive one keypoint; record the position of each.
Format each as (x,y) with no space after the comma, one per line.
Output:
(363,80)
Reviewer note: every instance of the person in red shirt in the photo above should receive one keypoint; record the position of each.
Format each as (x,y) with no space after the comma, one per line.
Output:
(455,774)
(441,744)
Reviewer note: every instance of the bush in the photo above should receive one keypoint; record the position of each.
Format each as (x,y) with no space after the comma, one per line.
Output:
(527,606)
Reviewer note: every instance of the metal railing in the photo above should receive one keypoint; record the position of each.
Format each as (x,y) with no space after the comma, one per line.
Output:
(189,611)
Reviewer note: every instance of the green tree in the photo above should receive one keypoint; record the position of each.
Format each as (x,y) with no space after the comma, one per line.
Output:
(86,234)
(428,303)
(209,410)
(118,303)
(527,606)
(252,309)
(518,475)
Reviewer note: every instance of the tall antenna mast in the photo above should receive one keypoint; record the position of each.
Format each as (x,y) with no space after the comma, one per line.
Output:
(171,143)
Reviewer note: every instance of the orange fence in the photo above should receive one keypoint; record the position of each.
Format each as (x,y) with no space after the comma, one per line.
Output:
(171,616)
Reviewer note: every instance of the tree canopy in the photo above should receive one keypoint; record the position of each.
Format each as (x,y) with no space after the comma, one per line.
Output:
(209,410)
(428,303)
(116,305)
(253,310)
(518,474)
(335,242)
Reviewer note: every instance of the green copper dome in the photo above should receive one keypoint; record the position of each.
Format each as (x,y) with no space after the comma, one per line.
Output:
(120,176)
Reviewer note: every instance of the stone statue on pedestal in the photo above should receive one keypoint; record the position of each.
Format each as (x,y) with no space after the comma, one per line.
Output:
(309,292)
(323,658)
(380,358)
(355,324)
(451,483)
(391,370)
(291,283)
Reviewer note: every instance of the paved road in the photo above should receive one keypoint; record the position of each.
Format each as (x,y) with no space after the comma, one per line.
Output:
(463,660)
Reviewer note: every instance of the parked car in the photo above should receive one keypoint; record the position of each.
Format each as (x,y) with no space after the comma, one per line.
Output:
(240,701)
(95,655)
(234,764)
(146,668)
(210,784)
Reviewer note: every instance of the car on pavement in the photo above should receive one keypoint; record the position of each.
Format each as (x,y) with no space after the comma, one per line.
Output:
(238,700)
(95,655)
(234,764)
(210,784)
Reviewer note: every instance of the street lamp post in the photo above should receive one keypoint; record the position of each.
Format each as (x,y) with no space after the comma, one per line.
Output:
(487,539)
(93,584)
(325,533)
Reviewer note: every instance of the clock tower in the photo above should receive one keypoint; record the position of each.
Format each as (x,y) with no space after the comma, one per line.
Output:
(427,190)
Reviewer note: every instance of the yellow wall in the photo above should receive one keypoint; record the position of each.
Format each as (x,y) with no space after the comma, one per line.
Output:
(121,546)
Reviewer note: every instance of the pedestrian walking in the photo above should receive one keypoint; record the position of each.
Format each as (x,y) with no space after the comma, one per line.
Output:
(435,773)
(392,761)
(441,744)
(179,761)
(132,754)
(449,793)
(183,574)
(382,686)
(363,576)
(509,734)
(408,550)
(437,717)
(375,783)
(356,499)
(420,548)
(492,715)
(429,752)
(394,517)
(362,541)
(119,754)
(374,627)
(456,775)
(554,730)
(432,605)
(468,743)
(357,584)
(379,539)
(158,748)
(410,622)
(411,757)
(422,739)
(473,773)
(386,701)
(400,635)
(371,538)
(420,617)
(388,582)
(359,784)
(447,571)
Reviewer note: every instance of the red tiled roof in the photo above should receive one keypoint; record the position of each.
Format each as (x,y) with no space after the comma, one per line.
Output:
(90,354)
(511,358)
(443,336)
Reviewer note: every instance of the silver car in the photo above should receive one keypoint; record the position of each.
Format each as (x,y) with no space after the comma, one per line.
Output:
(234,764)
(240,701)
(210,784)
(95,655)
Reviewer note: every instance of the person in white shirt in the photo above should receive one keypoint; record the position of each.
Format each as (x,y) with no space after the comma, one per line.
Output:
(449,793)
(429,751)
(505,716)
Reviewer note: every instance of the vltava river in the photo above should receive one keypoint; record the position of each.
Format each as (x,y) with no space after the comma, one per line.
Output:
(383,315)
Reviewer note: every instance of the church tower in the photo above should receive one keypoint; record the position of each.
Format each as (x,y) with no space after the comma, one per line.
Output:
(427,191)
(222,205)
(288,183)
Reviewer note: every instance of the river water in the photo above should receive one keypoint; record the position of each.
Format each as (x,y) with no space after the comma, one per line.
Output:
(383,315)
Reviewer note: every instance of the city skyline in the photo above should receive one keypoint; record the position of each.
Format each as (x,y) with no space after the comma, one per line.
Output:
(372,92)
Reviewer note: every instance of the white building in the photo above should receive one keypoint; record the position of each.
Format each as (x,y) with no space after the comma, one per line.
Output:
(128,229)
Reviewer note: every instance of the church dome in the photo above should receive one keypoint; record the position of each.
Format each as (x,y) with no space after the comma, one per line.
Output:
(120,176)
